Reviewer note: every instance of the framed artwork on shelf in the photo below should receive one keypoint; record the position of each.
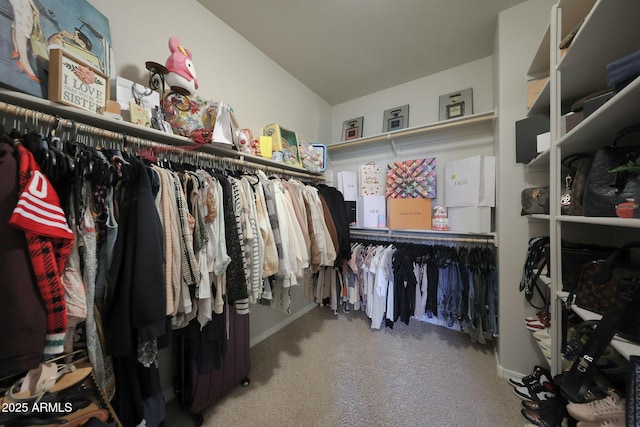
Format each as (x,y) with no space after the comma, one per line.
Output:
(74,83)
(352,129)
(396,118)
(30,29)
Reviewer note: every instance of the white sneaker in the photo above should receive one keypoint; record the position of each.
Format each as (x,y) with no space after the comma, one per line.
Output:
(542,334)
(606,409)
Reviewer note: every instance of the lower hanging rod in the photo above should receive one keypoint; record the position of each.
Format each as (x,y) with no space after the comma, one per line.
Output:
(408,236)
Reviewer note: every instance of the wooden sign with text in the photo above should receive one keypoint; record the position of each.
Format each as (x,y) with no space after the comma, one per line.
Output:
(72,82)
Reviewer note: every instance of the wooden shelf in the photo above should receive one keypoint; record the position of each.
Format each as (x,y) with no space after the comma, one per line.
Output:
(483,121)
(224,151)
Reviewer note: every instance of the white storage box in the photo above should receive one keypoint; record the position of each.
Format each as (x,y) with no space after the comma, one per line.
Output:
(473,219)
(371,211)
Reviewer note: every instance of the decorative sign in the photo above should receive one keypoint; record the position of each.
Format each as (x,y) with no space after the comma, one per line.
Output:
(72,82)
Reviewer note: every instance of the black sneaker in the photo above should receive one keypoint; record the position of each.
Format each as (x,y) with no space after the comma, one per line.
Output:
(536,405)
(532,377)
(541,390)
(547,417)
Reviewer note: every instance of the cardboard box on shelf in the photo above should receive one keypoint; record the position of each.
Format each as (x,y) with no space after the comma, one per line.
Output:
(534,87)
(409,214)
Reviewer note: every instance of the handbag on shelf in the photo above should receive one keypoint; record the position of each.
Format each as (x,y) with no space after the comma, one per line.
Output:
(604,189)
(599,283)
(575,169)
(535,200)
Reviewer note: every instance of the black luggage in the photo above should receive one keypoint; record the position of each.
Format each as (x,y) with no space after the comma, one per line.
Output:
(208,365)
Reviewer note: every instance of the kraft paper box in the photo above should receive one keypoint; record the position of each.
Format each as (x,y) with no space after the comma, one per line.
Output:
(473,219)
(371,211)
(534,87)
(409,214)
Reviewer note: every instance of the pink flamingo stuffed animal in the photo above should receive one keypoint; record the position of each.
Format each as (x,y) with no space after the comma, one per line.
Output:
(182,74)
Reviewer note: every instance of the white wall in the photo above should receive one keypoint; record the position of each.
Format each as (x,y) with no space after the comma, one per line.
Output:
(422,96)
(229,68)
(520,31)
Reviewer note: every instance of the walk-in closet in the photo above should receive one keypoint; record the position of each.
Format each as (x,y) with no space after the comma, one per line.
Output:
(319,213)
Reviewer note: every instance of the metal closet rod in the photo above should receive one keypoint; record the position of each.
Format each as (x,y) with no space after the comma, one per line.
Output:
(393,236)
(77,127)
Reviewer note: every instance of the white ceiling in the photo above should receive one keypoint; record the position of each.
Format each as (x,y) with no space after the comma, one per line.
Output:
(344,49)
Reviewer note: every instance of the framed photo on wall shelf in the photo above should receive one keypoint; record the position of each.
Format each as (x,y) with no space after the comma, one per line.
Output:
(74,83)
(395,118)
(352,129)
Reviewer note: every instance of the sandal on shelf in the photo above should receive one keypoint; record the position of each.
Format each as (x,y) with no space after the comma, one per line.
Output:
(48,378)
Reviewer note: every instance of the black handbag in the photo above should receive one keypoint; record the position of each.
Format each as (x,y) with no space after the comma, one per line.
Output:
(575,169)
(599,284)
(604,190)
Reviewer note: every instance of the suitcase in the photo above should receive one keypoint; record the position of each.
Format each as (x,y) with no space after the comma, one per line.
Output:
(201,380)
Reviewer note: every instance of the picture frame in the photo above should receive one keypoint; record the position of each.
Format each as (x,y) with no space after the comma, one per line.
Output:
(72,82)
(75,26)
(352,129)
(396,118)
(456,104)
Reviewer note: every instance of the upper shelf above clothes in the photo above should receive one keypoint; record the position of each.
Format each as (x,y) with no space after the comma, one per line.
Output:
(480,122)
(12,102)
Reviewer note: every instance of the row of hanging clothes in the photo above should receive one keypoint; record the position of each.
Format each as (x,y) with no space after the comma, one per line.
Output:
(143,244)
(452,284)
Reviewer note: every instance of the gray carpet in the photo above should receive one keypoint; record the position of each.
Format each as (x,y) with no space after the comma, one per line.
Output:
(327,370)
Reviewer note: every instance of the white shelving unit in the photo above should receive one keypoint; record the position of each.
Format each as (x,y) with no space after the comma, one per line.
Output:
(609,31)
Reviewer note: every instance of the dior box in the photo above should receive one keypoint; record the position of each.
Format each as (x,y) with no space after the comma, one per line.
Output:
(472,219)
(371,211)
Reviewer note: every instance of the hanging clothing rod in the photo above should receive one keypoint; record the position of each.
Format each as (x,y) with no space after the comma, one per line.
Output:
(39,119)
(390,235)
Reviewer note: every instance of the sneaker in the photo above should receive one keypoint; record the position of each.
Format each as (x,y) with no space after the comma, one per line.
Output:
(536,405)
(536,326)
(540,390)
(542,334)
(532,377)
(546,417)
(613,422)
(599,410)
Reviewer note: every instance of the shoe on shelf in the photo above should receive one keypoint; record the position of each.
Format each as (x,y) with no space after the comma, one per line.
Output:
(610,407)
(613,422)
(542,334)
(536,326)
(536,405)
(532,377)
(545,343)
(542,389)
(542,314)
(546,417)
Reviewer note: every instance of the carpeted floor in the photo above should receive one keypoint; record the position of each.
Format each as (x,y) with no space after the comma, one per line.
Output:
(328,370)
